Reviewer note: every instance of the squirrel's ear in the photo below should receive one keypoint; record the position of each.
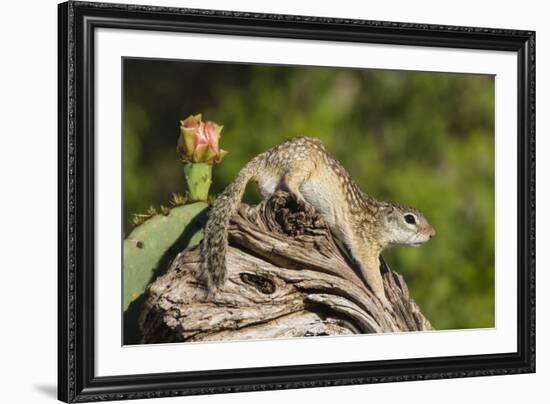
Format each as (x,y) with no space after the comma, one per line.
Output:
(387,211)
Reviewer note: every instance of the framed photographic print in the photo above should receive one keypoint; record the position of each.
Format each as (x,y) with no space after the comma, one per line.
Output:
(239,195)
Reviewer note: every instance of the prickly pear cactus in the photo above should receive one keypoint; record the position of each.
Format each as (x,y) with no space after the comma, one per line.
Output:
(154,243)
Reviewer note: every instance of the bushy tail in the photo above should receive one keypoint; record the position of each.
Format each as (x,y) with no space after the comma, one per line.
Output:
(214,243)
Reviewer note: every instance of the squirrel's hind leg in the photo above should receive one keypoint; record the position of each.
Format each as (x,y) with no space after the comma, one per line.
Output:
(292,181)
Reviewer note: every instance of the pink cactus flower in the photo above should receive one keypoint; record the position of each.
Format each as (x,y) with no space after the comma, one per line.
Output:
(199,141)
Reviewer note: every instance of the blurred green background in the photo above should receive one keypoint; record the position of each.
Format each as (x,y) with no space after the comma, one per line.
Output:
(417,138)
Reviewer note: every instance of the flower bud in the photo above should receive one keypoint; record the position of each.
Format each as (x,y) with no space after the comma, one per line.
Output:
(199,141)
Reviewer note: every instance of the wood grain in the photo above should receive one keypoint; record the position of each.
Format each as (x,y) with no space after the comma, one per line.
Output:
(287,277)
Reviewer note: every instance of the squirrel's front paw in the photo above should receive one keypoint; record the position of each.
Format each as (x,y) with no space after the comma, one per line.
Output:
(388,306)
(386,303)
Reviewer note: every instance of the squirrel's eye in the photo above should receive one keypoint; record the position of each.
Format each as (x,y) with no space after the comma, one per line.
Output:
(410,219)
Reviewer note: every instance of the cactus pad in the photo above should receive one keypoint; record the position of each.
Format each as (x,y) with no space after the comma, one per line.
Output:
(153,244)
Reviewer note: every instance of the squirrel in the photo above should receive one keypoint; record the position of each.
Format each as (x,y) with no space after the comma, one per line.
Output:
(303,167)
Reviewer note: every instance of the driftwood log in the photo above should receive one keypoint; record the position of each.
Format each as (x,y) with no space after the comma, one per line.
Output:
(287,277)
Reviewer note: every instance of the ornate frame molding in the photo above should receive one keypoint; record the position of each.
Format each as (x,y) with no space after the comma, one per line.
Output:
(76,379)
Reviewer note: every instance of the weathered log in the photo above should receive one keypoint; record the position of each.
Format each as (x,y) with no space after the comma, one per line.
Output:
(286,278)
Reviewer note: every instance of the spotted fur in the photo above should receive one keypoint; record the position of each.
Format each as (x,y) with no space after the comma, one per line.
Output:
(303,167)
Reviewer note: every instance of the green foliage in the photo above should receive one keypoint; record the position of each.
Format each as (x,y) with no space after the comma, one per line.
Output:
(417,138)
(198,177)
(152,245)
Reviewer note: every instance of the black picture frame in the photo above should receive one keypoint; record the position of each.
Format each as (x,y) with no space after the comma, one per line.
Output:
(77,22)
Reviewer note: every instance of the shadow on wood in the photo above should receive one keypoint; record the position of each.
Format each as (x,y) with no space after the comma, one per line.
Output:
(286,278)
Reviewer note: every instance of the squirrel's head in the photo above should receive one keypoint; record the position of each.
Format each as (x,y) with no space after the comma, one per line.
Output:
(406,226)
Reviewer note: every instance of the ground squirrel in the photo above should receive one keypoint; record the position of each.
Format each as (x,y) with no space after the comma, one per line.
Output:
(303,167)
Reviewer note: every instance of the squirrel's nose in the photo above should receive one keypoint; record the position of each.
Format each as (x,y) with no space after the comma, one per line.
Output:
(432,232)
